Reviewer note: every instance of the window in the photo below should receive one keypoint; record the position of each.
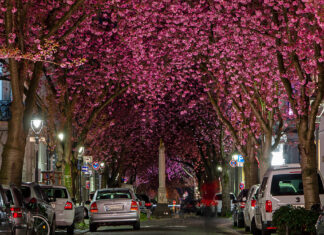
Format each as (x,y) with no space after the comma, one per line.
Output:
(9,196)
(113,195)
(25,192)
(55,192)
(18,196)
(290,184)
(263,185)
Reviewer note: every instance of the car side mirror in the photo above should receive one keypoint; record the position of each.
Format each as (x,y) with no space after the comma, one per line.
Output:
(87,202)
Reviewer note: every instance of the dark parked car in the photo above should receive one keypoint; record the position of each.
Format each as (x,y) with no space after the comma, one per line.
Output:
(146,201)
(239,206)
(14,217)
(189,206)
(38,203)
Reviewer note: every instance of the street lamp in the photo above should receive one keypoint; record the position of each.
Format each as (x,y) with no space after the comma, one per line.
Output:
(81,150)
(61,136)
(37,126)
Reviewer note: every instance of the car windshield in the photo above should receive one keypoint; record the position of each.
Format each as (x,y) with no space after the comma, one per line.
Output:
(108,194)
(56,192)
(290,184)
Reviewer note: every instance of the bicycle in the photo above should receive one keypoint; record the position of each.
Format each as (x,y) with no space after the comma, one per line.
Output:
(40,225)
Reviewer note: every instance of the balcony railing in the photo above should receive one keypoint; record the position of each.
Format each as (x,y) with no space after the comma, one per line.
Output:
(5,113)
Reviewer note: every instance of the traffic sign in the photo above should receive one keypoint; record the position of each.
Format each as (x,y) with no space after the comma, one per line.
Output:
(233,163)
(240,158)
(96,166)
(88,184)
(85,169)
(241,186)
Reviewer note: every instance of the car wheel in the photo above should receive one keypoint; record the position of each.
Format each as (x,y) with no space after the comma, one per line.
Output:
(53,227)
(70,230)
(240,223)
(137,226)
(85,213)
(235,221)
(254,229)
(265,232)
(93,227)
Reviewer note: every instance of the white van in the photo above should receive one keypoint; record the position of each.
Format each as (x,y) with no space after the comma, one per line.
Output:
(280,186)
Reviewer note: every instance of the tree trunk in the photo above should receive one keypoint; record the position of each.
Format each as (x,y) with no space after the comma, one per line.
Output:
(265,159)
(250,166)
(226,188)
(307,150)
(251,172)
(14,149)
(104,177)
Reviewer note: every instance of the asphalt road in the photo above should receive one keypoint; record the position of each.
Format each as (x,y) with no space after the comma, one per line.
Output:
(188,226)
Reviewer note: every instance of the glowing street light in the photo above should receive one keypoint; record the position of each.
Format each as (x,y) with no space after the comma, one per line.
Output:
(60,136)
(37,126)
(81,150)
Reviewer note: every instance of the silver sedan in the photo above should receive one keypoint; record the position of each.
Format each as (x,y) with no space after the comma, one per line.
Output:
(114,206)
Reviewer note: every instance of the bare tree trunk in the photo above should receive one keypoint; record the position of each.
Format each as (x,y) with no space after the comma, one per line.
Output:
(14,149)
(307,150)
(226,200)
(250,166)
(265,159)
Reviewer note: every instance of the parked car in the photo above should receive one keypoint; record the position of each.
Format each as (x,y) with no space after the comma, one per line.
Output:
(208,207)
(249,210)
(280,186)
(239,205)
(14,217)
(189,206)
(37,202)
(67,214)
(87,205)
(141,202)
(320,224)
(114,206)
(219,200)
(144,199)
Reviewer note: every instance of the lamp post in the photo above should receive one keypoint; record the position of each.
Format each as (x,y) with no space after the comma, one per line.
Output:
(37,126)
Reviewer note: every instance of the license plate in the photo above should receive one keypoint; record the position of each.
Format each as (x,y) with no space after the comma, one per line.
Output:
(113,208)
(301,205)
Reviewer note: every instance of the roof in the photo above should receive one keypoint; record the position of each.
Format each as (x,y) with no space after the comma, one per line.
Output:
(52,186)
(114,189)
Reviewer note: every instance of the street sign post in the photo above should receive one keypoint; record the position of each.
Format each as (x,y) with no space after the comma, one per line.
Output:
(85,169)
(233,163)
(96,166)
(240,161)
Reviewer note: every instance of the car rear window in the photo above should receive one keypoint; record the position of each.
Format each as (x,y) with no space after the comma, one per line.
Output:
(113,195)
(18,196)
(290,184)
(9,196)
(25,191)
(55,192)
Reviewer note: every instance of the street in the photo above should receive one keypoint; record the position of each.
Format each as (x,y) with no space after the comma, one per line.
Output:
(191,225)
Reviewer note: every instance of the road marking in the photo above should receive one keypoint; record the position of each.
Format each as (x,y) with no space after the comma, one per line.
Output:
(176,226)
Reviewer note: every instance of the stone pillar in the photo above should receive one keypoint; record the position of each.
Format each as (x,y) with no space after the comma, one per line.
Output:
(162,190)
(162,208)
